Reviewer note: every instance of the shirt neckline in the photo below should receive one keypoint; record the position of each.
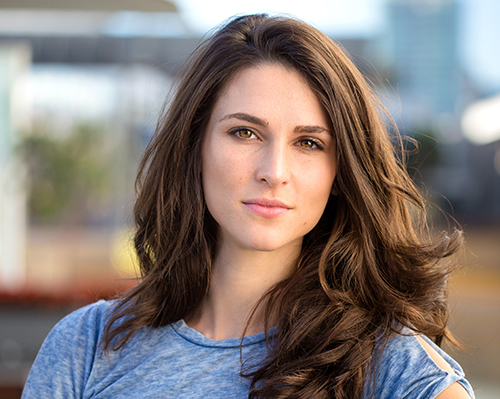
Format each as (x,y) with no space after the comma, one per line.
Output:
(197,338)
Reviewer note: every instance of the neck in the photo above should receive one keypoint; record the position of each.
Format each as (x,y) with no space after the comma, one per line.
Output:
(239,280)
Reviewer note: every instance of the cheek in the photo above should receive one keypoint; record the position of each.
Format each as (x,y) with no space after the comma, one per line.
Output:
(216,174)
(317,190)
(220,175)
(317,179)
(224,165)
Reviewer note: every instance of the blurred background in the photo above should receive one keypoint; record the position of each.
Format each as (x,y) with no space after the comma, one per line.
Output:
(83,82)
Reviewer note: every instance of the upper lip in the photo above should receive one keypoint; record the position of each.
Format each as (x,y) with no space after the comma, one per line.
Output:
(267,202)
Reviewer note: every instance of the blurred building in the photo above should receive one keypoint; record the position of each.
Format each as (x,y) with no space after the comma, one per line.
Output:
(431,90)
(423,44)
(65,64)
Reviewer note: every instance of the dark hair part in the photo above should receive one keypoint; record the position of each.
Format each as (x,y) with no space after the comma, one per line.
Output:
(369,265)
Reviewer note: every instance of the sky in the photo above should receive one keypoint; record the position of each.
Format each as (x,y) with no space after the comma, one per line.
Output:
(479,22)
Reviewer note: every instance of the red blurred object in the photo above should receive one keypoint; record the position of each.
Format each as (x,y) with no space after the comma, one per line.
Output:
(75,295)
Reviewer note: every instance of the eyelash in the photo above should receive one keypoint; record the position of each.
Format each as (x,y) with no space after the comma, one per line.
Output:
(316,145)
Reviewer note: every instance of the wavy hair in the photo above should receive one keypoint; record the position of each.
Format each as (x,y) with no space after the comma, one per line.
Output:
(369,264)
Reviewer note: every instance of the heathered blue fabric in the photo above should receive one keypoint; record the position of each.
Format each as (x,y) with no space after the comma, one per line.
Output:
(176,361)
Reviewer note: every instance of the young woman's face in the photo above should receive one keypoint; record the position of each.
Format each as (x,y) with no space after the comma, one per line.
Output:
(268,160)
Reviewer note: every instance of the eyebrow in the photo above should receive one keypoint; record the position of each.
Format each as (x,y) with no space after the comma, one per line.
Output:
(262,122)
(310,129)
(246,117)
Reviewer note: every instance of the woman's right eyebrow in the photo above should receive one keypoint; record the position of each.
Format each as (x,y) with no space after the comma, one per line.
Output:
(246,117)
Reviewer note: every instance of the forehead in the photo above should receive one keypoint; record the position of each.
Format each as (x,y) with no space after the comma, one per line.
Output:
(268,88)
(253,73)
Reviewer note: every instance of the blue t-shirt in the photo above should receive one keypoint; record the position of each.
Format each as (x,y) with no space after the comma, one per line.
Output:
(176,361)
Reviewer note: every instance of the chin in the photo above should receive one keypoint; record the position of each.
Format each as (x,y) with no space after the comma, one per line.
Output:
(268,244)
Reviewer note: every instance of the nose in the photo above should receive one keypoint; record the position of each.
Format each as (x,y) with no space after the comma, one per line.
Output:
(274,165)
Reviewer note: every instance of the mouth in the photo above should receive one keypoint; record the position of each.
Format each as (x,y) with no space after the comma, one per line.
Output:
(267,207)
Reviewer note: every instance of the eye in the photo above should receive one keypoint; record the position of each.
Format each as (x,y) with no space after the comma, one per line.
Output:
(244,133)
(310,144)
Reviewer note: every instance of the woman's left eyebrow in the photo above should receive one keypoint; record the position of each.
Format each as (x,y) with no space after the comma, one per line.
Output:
(310,129)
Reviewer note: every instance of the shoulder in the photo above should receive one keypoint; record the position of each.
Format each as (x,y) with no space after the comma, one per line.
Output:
(455,390)
(81,327)
(65,359)
(92,317)
(84,324)
(411,366)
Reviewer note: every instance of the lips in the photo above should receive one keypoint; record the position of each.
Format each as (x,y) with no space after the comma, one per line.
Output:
(267,207)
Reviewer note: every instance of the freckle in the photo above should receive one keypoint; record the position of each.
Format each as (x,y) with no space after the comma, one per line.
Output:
(305,223)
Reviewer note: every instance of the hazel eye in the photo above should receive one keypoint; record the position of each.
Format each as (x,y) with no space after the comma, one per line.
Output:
(307,143)
(310,144)
(245,134)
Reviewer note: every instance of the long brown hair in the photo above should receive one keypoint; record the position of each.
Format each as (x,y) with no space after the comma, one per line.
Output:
(369,264)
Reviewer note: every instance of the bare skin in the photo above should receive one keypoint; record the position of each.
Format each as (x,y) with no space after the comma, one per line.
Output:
(234,291)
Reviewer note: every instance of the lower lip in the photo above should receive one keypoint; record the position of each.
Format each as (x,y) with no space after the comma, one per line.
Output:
(267,211)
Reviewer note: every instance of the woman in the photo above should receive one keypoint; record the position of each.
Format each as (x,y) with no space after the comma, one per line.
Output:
(279,254)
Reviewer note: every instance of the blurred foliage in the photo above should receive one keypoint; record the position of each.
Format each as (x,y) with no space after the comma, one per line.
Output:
(65,173)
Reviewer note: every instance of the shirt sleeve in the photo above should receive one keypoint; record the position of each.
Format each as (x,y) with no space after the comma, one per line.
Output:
(64,362)
(404,369)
